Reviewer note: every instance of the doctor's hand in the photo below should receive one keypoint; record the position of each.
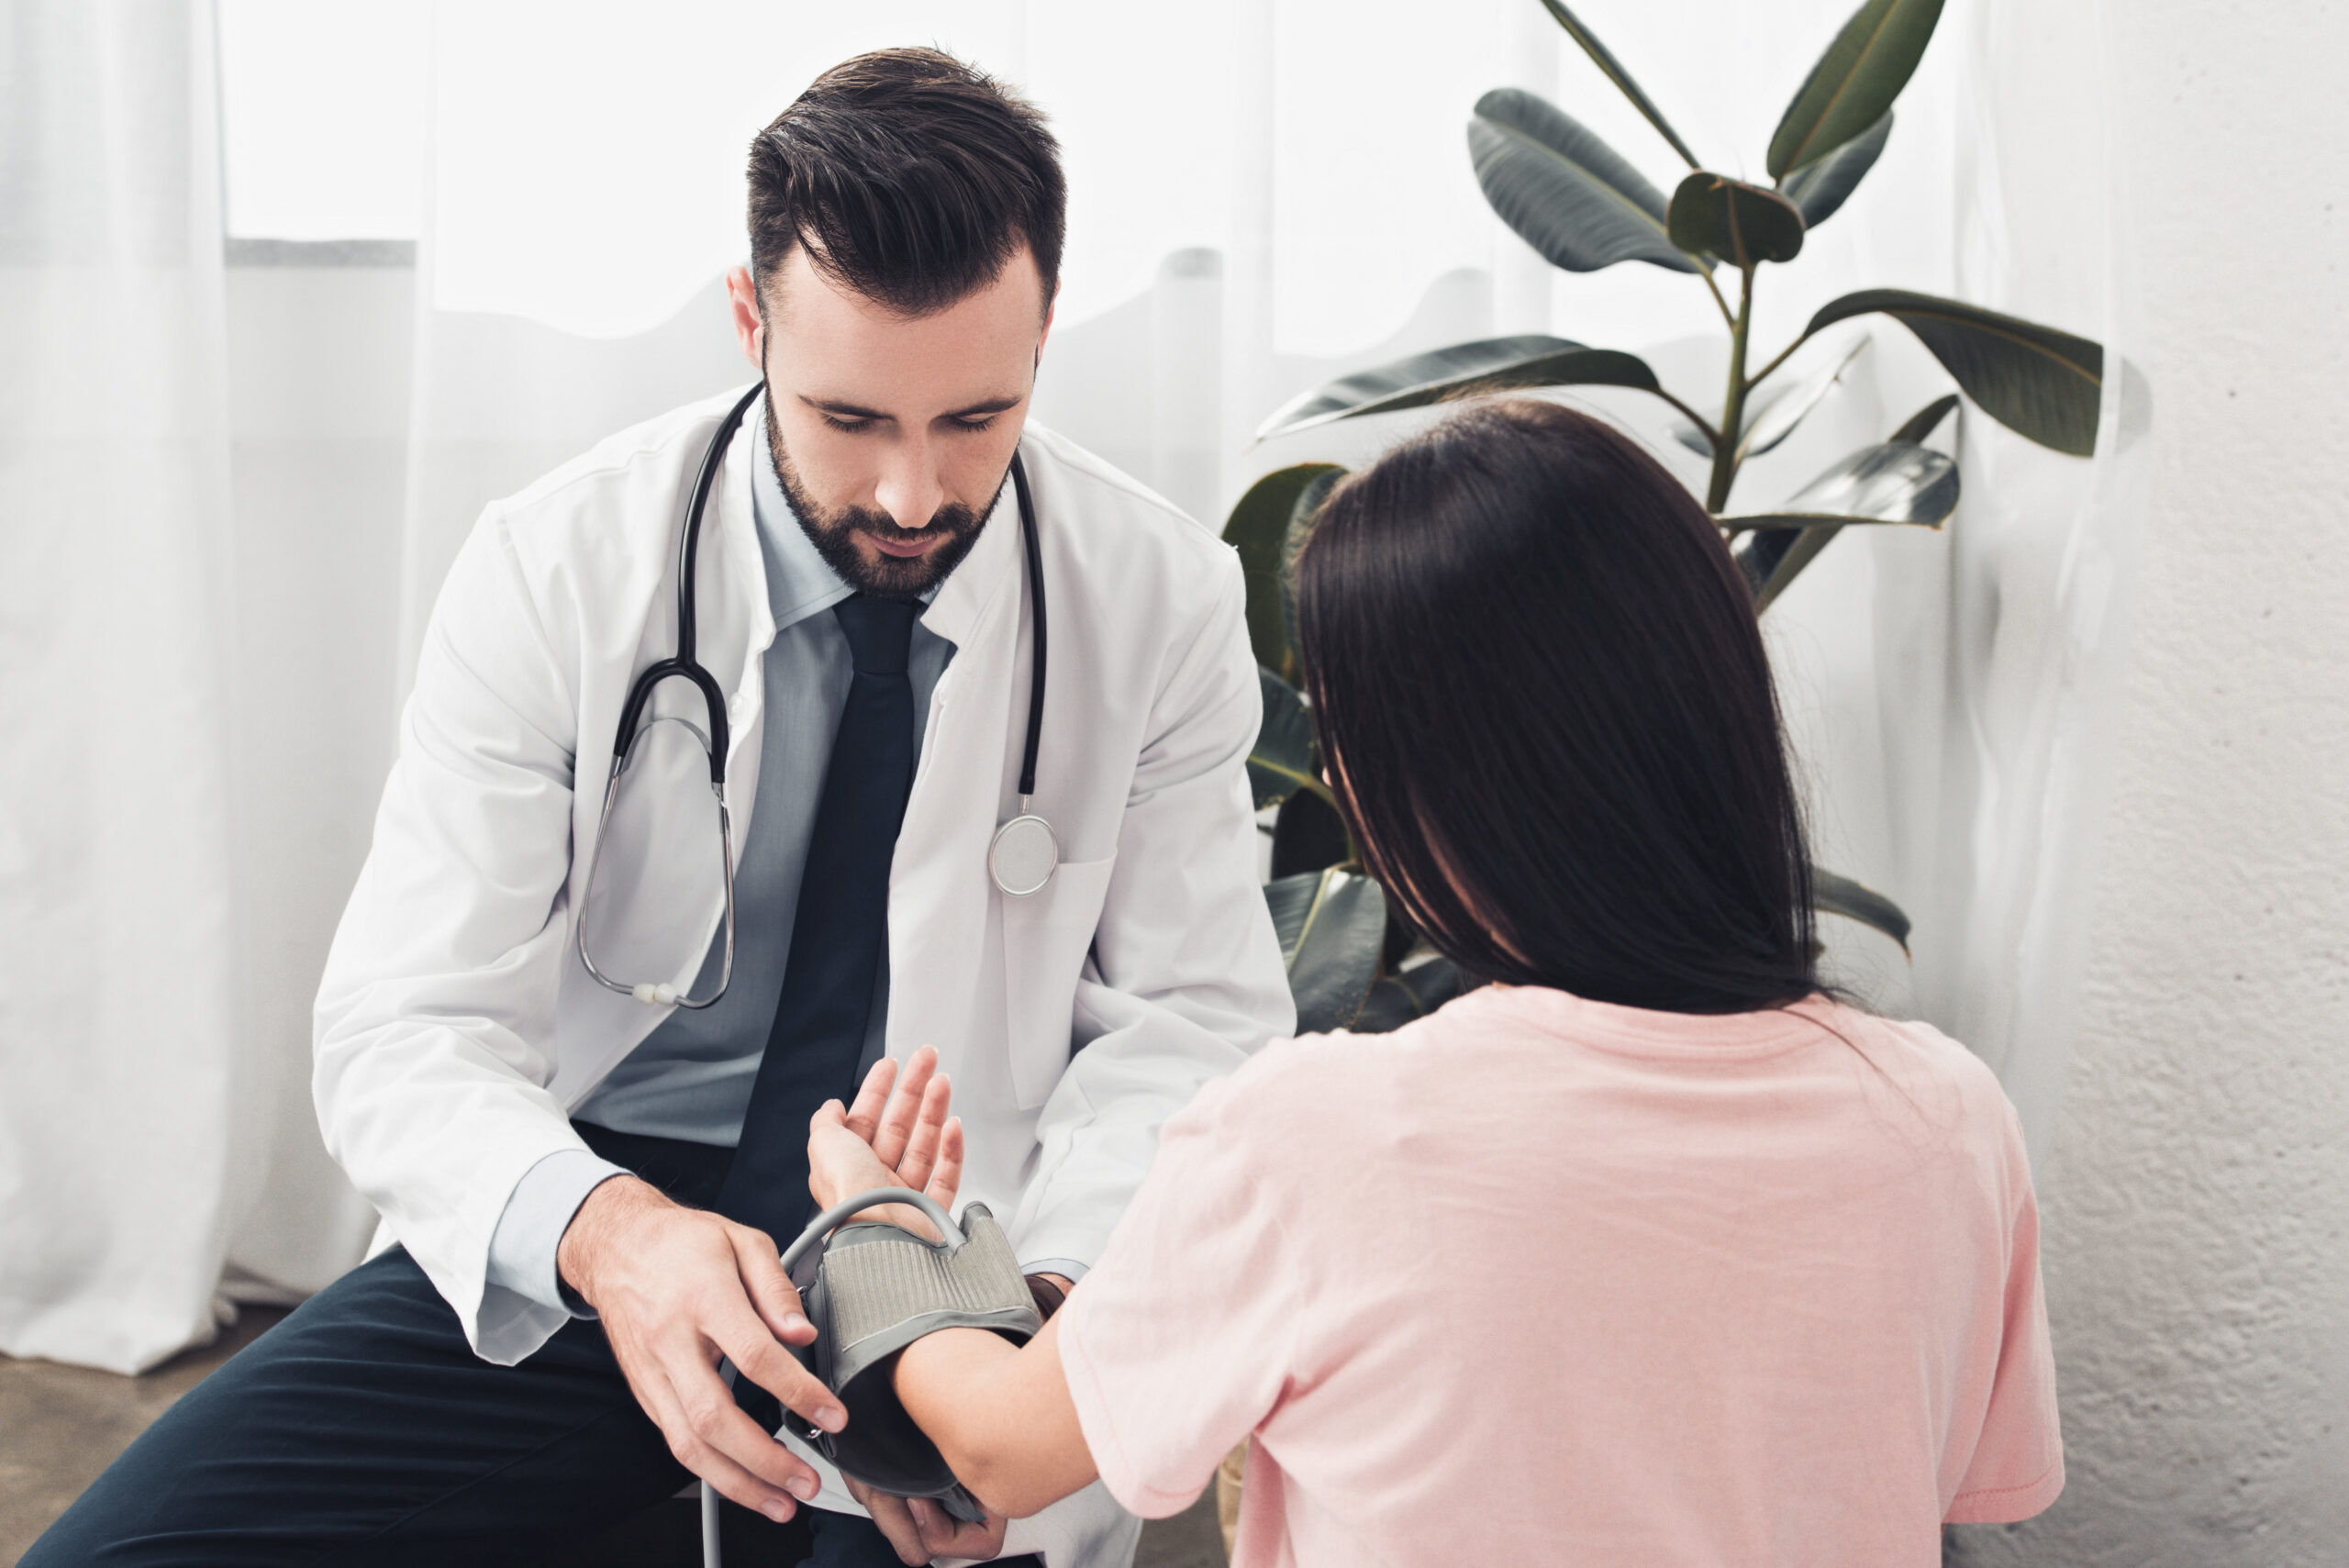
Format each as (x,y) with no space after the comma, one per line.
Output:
(897,1135)
(678,1289)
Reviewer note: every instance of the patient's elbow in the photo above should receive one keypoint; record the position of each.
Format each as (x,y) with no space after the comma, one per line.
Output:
(999,1486)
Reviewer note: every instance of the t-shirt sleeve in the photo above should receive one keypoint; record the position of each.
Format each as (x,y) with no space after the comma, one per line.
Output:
(1183,1337)
(2018,1464)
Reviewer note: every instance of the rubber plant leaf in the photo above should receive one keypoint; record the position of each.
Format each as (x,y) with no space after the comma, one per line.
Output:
(1329,923)
(1565,192)
(1258,531)
(1488,364)
(2035,380)
(1309,835)
(1895,483)
(1612,69)
(1773,413)
(1833,894)
(1820,186)
(1301,524)
(1281,762)
(1854,82)
(1926,421)
(1403,995)
(1743,225)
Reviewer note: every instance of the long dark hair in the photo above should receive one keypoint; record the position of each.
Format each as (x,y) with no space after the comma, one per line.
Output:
(1544,701)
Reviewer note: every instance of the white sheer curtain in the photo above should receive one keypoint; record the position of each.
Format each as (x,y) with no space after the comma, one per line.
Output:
(121,1081)
(1263,193)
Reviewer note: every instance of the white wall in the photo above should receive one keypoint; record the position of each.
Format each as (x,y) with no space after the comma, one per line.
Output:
(2197,1195)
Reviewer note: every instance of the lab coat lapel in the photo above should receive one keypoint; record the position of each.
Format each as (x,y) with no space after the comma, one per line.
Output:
(940,896)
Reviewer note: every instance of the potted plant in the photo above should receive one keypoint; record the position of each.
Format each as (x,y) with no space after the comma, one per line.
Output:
(1583,207)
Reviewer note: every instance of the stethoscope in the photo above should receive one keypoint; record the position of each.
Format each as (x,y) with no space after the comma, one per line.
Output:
(1021,857)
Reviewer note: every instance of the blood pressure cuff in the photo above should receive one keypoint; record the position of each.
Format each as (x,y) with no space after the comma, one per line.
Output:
(871,1291)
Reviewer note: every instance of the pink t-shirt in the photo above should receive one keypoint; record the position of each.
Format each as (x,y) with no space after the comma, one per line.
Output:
(1543,1280)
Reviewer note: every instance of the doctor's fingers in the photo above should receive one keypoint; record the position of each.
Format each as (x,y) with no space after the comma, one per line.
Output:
(755,1355)
(770,1290)
(680,1424)
(904,1111)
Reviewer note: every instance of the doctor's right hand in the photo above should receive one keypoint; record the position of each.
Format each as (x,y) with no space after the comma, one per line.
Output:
(678,1289)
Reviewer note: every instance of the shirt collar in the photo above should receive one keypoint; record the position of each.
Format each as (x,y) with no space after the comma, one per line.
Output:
(800,582)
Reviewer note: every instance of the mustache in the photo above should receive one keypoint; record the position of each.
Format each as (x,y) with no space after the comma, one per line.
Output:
(954,520)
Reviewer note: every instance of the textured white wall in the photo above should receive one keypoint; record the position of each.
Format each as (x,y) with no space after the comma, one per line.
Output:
(2197,1195)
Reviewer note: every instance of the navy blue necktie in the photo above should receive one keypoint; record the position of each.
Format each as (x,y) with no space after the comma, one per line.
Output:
(842,919)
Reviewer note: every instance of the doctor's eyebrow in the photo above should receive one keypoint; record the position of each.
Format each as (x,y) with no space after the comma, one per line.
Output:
(839,409)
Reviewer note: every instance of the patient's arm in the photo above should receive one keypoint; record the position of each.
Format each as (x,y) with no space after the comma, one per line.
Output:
(1001,1415)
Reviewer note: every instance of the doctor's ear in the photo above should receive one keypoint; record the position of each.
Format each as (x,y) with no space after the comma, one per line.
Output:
(750,318)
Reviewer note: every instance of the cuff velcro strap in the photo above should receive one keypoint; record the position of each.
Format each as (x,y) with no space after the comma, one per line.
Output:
(889,1288)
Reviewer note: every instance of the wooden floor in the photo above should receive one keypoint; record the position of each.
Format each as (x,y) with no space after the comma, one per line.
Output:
(60,1426)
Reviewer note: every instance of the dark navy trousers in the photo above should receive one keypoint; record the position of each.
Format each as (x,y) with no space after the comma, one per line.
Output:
(362,1429)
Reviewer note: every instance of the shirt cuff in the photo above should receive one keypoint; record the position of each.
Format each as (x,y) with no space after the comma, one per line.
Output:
(522,1248)
(1068,1269)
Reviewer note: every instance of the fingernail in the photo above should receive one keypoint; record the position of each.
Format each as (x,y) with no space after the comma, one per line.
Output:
(792,1322)
(776,1510)
(803,1487)
(831,1417)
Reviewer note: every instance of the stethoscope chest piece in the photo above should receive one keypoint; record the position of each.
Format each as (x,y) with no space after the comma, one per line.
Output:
(1024,854)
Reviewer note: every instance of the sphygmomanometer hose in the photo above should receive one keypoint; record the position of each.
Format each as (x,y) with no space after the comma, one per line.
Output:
(818,1229)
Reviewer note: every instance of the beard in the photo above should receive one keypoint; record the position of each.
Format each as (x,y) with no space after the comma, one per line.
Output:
(889,577)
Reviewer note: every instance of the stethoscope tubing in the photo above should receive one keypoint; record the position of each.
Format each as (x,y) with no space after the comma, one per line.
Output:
(684,664)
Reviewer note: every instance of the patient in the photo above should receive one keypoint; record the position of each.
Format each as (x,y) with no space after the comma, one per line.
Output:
(1648,1252)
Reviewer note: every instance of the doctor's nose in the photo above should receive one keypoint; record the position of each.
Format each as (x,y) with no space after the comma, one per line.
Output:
(908,488)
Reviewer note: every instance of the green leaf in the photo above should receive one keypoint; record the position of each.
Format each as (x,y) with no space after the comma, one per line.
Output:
(1400,997)
(1309,835)
(1926,421)
(1281,760)
(1565,192)
(1833,894)
(1743,225)
(1854,82)
(1488,364)
(1820,186)
(1604,58)
(1258,531)
(1895,482)
(1301,524)
(2037,382)
(1329,923)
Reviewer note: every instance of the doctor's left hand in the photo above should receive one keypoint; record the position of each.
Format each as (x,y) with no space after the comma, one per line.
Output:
(677,1289)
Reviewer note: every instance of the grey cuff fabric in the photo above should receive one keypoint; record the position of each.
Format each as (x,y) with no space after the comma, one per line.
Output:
(538,1210)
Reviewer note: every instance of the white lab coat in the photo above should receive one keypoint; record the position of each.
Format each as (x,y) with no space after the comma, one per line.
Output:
(456,1029)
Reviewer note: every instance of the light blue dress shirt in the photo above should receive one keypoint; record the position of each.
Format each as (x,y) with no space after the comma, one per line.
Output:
(692,1077)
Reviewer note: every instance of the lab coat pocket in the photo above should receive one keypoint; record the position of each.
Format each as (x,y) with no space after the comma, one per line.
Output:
(1046,938)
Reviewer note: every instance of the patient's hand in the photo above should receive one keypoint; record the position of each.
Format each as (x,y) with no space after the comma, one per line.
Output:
(897,1135)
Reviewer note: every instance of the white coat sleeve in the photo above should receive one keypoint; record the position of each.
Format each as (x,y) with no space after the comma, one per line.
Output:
(437,1009)
(1186,981)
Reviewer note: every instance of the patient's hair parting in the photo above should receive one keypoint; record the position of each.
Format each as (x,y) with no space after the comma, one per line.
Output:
(910,178)
(1543,696)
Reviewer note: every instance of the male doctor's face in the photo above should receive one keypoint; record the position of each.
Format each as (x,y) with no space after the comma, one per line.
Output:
(893,435)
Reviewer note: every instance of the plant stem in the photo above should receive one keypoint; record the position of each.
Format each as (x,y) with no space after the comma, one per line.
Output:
(1726,450)
(1784,355)
(1727,319)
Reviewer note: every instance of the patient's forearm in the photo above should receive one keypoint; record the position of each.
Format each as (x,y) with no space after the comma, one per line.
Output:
(1001,1416)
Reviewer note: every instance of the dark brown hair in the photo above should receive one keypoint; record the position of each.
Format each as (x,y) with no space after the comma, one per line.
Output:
(912,178)
(1538,683)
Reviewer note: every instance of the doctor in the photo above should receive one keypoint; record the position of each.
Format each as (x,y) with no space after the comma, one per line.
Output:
(582,1186)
